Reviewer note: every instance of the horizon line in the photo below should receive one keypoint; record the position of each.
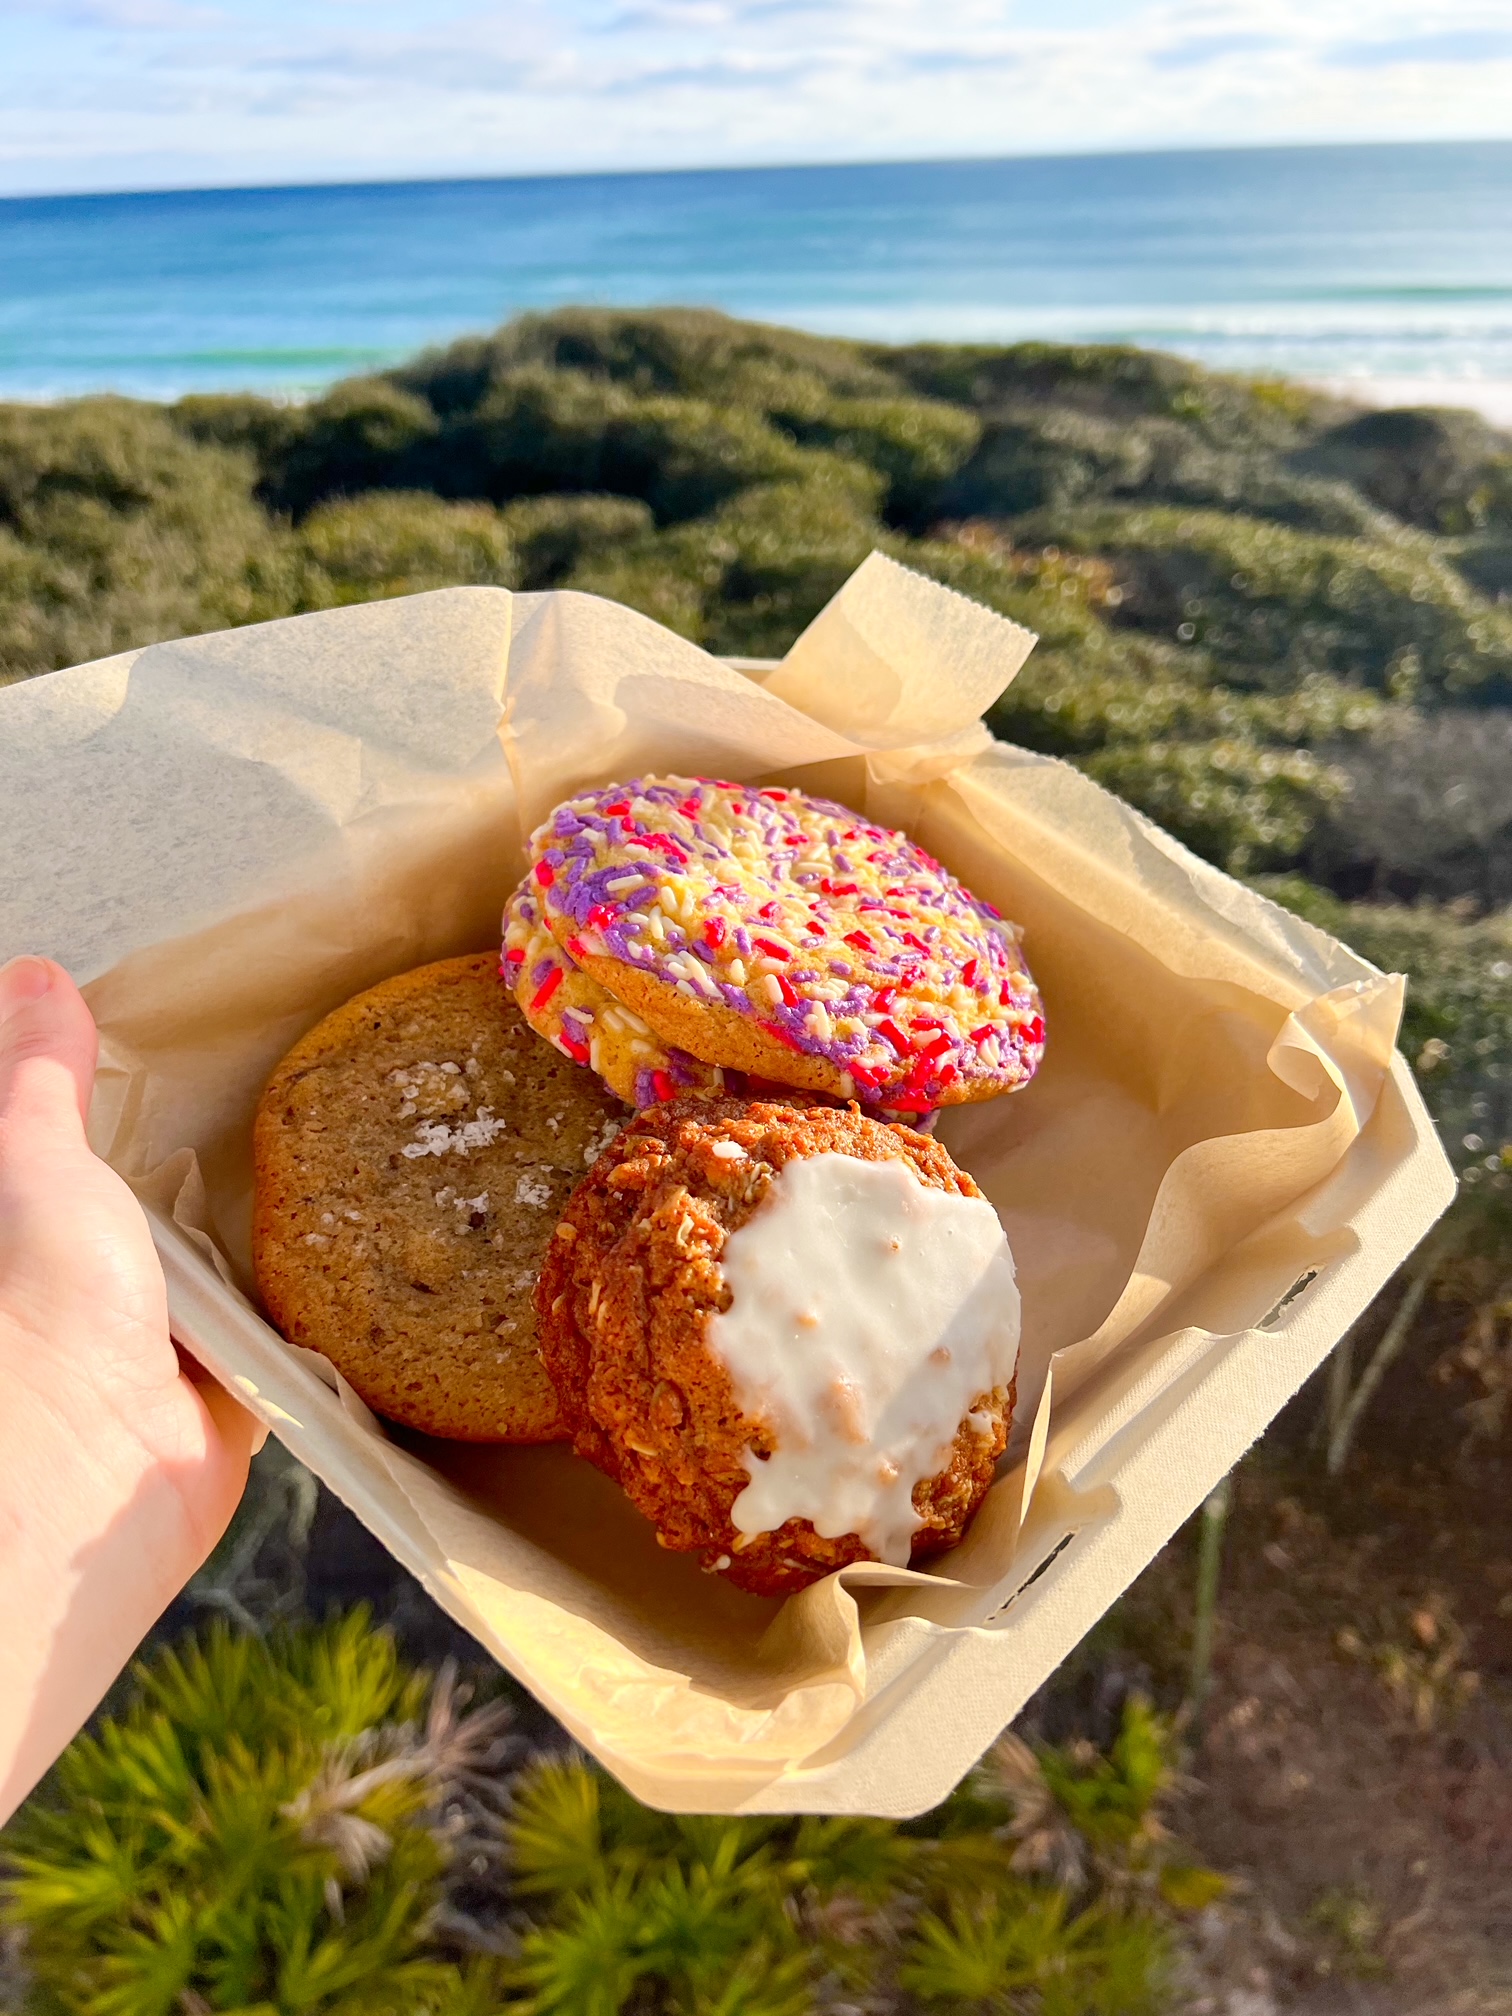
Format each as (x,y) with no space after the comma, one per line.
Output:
(1154,152)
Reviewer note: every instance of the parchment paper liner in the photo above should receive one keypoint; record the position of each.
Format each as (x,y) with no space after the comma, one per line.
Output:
(225,837)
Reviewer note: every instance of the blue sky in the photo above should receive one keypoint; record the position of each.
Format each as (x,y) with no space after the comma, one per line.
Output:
(102,94)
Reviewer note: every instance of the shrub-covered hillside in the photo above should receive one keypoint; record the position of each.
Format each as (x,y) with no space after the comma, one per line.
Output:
(1248,595)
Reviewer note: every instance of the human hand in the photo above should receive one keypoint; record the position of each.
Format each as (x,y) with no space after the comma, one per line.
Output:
(119,1467)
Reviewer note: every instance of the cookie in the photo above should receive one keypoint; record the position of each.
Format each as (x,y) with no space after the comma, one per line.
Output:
(781,935)
(584,1021)
(789,1333)
(411,1155)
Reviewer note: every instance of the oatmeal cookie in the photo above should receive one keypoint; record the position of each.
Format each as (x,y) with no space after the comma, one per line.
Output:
(789,1333)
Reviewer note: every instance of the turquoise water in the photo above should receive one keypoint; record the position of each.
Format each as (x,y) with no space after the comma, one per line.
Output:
(1379,262)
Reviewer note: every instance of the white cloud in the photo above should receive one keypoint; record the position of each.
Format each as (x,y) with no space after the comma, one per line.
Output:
(134,93)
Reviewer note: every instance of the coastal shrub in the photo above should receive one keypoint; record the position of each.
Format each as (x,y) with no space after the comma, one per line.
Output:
(916,444)
(1485,559)
(1428,811)
(399,542)
(539,430)
(1213,564)
(266,429)
(695,352)
(365,434)
(747,578)
(116,530)
(552,535)
(260,1827)
(1119,381)
(778,1915)
(1457,1025)
(1274,605)
(299,1823)
(1439,467)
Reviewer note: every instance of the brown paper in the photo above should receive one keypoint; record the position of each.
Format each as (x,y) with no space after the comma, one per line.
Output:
(225,837)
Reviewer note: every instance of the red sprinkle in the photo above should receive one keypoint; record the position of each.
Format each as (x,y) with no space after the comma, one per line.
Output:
(859,939)
(969,972)
(545,874)
(578,950)
(783,1035)
(981,1035)
(772,949)
(600,917)
(840,888)
(1034,1029)
(547,988)
(865,1074)
(939,1046)
(768,911)
(620,809)
(911,938)
(663,1087)
(894,1036)
(786,989)
(514,958)
(909,1102)
(714,933)
(690,808)
(577,1051)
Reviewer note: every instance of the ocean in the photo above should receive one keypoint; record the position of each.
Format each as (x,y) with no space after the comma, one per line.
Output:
(1386,269)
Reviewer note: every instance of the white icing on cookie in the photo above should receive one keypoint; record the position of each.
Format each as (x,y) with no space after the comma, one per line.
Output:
(869,1311)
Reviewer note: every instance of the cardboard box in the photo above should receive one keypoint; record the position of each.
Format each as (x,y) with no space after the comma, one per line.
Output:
(1219,1164)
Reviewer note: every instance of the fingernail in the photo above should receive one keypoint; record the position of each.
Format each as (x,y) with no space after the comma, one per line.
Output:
(21,980)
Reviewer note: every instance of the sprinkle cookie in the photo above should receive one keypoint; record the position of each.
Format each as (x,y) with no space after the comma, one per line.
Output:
(584,1021)
(411,1155)
(783,936)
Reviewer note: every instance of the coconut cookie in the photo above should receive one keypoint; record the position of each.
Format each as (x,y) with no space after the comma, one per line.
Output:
(783,936)
(411,1155)
(789,1333)
(571,1010)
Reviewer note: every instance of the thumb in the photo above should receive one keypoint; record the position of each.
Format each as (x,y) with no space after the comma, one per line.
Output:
(47,1056)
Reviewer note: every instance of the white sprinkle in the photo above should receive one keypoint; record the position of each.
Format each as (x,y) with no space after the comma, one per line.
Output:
(770,992)
(533,1190)
(728,1151)
(623,883)
(434,1137)
(600,1142)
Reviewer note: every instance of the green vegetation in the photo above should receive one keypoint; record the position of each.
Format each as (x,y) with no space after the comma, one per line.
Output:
(302,1824)
(1245,591)
(1280,626)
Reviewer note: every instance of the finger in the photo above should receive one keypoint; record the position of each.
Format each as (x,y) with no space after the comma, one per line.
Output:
(233,1422)
(48,1048)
